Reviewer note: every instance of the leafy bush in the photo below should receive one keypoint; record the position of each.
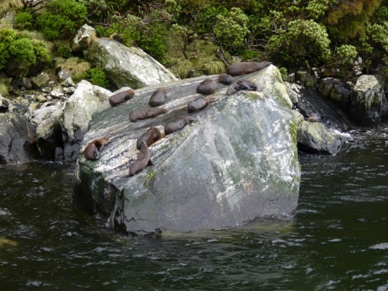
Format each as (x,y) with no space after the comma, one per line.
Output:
(346,54)
(64,51)
(24,20)
(96,76)
(231,30)
(20,49)
(61,18)
(303,41)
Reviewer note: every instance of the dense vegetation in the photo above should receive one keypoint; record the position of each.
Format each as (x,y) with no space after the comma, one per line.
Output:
(199,36)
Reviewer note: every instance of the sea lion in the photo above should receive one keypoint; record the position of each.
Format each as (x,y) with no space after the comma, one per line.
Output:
(121,97)
(207,86)
(143,160)
(177,124)
(241,85)
(225,79)
(149,137)
(146,113)
(200,103)
(158,97)
(93,149)
(242,68)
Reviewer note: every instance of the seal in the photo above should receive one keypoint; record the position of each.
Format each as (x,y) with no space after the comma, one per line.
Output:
(207,86)
(177,124)
(158,97)
(149,137)
(143,160)
(120,97)
(225,79)
(241,85)
(200,103)
(93,149)
(242,68)
(146,113)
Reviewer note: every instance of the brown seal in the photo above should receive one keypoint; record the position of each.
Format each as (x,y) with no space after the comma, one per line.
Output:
(158,97)
(93,149)
(225,79)
(207,86)
(149,137)
(200,103)
(143,160)
(146,113)
(241,85)
(177,124)
(121,97)
(242,68)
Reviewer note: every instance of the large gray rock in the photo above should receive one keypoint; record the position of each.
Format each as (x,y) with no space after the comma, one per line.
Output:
(366,105)
(236,162)
(126,66)
(17,140)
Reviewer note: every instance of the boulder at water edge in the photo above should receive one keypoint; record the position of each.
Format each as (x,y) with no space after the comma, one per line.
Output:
(237,160)
(17,140)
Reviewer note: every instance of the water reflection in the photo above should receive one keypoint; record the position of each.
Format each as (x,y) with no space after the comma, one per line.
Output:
(337,239)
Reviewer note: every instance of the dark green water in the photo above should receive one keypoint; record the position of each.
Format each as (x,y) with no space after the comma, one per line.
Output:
(337,240)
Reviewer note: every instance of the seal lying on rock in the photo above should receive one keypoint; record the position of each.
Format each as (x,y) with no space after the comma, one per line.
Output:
(200,103)
(143,160)
(158,97)
(93,149)
(242,68)
(177,124)
(146,113)
(121,97)
(241,85)
(149,137)
(225,79)
(207,86)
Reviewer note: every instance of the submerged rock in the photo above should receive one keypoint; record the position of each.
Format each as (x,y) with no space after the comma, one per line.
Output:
(237,160)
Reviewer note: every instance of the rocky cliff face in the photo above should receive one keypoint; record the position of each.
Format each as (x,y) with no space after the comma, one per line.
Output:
(236,161)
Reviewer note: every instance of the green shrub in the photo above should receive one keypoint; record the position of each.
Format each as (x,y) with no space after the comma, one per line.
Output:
(98,77)
(24,20)
(64,51)
(20,48)
(304,41)
(61,18)
(230,30)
